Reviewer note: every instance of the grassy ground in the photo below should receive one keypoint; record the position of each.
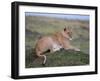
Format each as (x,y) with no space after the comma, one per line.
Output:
(44,26)
(59,58)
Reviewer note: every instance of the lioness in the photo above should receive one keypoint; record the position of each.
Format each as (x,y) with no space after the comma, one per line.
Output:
(54,43)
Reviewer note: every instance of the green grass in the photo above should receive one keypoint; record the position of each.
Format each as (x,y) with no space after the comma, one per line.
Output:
(44,26)
(59,58)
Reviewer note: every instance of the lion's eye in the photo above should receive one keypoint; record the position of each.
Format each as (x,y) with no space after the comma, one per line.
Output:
(69,33)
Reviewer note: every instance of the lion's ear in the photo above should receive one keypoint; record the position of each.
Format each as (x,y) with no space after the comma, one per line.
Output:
(65,29)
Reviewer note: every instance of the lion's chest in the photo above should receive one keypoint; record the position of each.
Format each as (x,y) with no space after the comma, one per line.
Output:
(56,47)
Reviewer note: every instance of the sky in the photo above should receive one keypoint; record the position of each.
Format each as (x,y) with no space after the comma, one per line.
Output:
(62,16)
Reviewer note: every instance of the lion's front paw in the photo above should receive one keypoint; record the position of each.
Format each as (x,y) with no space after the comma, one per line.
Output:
(77,49)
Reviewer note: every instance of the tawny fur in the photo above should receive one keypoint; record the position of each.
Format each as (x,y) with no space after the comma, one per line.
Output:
(54,43)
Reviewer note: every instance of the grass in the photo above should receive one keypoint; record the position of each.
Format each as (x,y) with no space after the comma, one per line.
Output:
(59,58)
(37,26)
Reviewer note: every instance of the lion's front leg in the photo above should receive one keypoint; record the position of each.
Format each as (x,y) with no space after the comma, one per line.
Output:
(76,49)
(73,48)
(69,47)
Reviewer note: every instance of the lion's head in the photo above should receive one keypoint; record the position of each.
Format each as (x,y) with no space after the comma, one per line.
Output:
(67,33)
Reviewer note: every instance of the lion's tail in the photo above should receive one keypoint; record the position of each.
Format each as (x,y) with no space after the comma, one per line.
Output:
(41,56)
